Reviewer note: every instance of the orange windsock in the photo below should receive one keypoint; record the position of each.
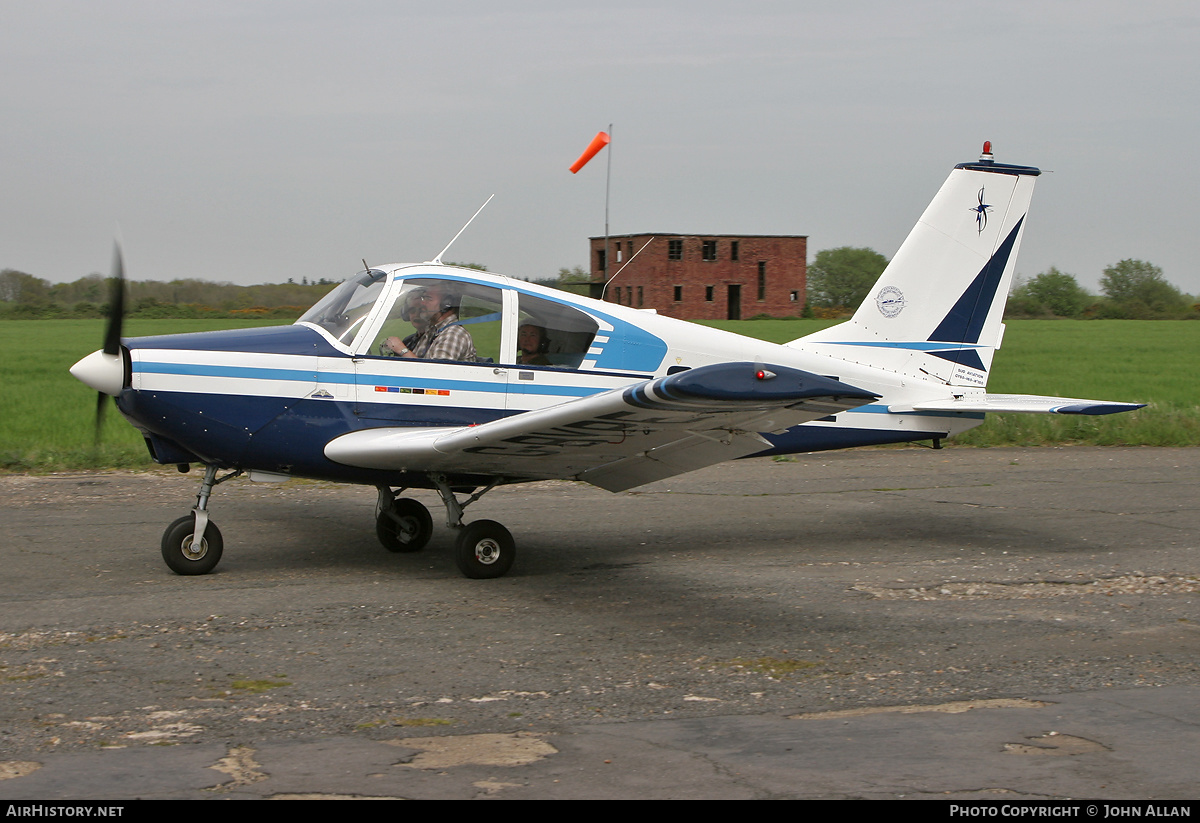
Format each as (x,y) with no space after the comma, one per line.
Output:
(598,142)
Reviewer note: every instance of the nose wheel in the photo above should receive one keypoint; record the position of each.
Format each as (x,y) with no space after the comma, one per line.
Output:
(183,554)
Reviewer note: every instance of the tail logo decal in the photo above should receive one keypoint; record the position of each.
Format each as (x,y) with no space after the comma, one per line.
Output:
(890,301)
(981,213)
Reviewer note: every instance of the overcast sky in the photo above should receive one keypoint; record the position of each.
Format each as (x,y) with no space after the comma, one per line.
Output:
(256,141)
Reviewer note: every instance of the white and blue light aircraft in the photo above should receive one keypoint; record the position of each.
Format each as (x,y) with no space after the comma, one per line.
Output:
(609,395)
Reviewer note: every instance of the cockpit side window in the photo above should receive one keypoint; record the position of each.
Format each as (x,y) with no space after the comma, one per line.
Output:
(552,334)
(469,307)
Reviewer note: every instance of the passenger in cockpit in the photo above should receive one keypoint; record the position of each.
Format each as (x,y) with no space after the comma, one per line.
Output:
(533,345)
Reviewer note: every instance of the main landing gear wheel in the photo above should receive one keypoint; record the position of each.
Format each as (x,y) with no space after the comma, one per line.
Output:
(485,550)
(407,527)
(177,547)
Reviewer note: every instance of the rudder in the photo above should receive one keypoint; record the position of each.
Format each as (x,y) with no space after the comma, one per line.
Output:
(936,310)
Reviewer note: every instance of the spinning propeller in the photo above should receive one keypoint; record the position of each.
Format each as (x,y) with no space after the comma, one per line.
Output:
(104,370)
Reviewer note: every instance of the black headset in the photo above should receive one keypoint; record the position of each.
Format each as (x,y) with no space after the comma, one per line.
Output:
(449,300)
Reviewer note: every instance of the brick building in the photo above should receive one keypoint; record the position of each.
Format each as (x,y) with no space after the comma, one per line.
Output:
(704,276)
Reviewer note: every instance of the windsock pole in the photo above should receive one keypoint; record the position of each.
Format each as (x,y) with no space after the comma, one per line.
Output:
(607,183)
(601,140)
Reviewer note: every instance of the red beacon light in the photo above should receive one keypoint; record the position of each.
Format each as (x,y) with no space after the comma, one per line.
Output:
(763,374)
(987,157)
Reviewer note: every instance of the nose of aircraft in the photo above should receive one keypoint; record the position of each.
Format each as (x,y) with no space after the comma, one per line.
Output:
(103,372)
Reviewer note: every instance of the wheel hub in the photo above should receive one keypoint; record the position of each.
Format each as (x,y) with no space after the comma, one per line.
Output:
(487,551)
(191,554)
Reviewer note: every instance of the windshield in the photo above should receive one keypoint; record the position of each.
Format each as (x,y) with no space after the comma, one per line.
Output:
(344,309)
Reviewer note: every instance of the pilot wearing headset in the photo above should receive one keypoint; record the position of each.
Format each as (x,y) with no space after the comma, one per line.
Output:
(433,311)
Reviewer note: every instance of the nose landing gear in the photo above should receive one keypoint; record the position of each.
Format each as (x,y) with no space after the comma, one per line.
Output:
(193,544)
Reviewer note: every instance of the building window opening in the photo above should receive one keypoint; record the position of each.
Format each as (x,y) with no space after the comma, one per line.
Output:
(674,249)
(710,250)
(762,280)
(733,250)
(708,294)
(679,294)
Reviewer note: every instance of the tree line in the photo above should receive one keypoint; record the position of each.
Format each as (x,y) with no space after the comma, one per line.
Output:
(840,279)
(26,296)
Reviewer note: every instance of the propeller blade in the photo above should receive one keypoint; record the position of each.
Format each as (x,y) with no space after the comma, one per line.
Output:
(100,406)
(116,304)
(112,331)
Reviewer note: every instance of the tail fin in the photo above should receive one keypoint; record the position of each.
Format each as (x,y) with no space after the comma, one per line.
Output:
(936,310)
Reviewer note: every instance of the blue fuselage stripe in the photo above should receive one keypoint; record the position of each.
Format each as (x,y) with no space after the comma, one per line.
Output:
(243,372)
(916,346)
(880,408)
(312,376)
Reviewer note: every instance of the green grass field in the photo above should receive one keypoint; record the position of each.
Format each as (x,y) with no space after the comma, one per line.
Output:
(1138,361)
(46,416)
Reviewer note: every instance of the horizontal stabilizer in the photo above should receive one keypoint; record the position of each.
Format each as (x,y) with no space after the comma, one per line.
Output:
(1026,403)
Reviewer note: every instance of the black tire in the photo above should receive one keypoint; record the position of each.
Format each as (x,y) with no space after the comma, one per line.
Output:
(485,550)
(177,542)
(407,528)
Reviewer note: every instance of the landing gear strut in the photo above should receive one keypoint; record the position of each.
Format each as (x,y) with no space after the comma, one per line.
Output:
(193,544)
(485,549)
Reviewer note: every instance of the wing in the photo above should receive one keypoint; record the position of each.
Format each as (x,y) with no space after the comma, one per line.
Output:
(621,438)
(1028,403)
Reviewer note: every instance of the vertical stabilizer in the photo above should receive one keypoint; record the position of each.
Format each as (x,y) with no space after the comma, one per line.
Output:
(936,311)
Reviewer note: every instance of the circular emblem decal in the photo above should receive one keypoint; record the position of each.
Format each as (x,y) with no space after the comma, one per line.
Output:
(890,301)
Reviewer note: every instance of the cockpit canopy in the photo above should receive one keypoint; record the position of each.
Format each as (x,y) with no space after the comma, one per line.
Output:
(508,325)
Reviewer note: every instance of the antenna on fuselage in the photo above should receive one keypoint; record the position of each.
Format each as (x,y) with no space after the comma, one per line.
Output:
(437,261)
(604,290)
